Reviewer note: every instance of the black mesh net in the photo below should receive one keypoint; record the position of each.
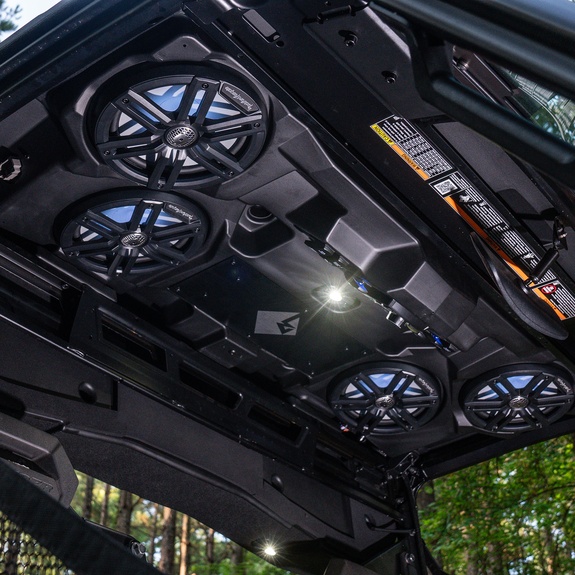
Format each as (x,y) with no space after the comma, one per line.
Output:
(21,554)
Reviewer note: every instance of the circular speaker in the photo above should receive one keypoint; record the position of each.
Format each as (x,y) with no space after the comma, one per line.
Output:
(517,398)
(181,130)
(133,234)
(385,398)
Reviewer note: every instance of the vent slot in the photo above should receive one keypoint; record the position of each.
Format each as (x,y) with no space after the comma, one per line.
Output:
(217,393)
(276,423)
(132,343)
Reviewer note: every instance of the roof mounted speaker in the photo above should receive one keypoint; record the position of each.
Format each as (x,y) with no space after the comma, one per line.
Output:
(130,233)
(180,126)
(517,398)
(382,398)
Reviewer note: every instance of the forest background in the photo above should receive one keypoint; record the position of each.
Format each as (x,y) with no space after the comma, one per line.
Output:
(508,516)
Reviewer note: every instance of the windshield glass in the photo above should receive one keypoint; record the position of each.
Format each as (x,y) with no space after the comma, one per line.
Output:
(545,108)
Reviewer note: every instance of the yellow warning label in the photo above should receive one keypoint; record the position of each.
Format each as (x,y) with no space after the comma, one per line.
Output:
(377,129)
(382,134)
(432,166)
(412,147)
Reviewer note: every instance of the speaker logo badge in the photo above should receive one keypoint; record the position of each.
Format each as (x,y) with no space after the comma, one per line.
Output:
(179,212)
(277,323)
(238,97)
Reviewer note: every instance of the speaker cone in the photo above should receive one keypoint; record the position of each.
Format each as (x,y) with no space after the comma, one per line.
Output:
(181,130)
(517,399)
(385,398)
(133,234)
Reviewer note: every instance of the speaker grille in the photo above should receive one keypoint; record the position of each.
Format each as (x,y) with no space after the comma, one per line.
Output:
(181,131)
(517,399)
(133,234)
(385,398)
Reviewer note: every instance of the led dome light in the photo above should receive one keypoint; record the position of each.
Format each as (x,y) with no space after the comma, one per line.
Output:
(385,398)
(334,298)
(181,130)
(133,234)
(270,551)
(518,398)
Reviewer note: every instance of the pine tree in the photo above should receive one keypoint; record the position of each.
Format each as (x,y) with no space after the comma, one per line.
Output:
(88,497)
(125,508)
(8,17)
(168,551)
(184,545)
(104,507)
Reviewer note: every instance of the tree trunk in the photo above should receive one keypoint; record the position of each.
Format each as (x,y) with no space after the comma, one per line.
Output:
(195,547)
(210,556)
(167,552)
(184,544)
(124,519)
(210,549)
(104,508)
(153,533)
(88,497)
(237,559)
(425,498)
(471,567)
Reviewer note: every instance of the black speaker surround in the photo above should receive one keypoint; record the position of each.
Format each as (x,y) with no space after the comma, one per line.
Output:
(384,398)
(517,398)
(129,233)
(181,126)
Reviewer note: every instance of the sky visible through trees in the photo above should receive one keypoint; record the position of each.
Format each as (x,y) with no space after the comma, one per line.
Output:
(8,17)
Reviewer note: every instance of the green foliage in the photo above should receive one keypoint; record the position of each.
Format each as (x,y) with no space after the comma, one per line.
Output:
(510,515)
(253,565)
(8,17)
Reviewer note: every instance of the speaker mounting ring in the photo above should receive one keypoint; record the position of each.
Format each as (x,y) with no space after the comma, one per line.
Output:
(180,127)
(517,398)
(383,398)
(125,233)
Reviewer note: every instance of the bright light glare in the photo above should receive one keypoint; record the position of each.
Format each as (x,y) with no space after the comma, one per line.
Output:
(270,551)
(335,295)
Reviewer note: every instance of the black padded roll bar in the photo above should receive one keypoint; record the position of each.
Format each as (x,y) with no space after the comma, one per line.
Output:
(532,38)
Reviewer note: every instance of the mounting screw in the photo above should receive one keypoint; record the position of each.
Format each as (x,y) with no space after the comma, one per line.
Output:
(410,558)
(125,100)
(461,63)
(349,39)
(205,86)
(389,77)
